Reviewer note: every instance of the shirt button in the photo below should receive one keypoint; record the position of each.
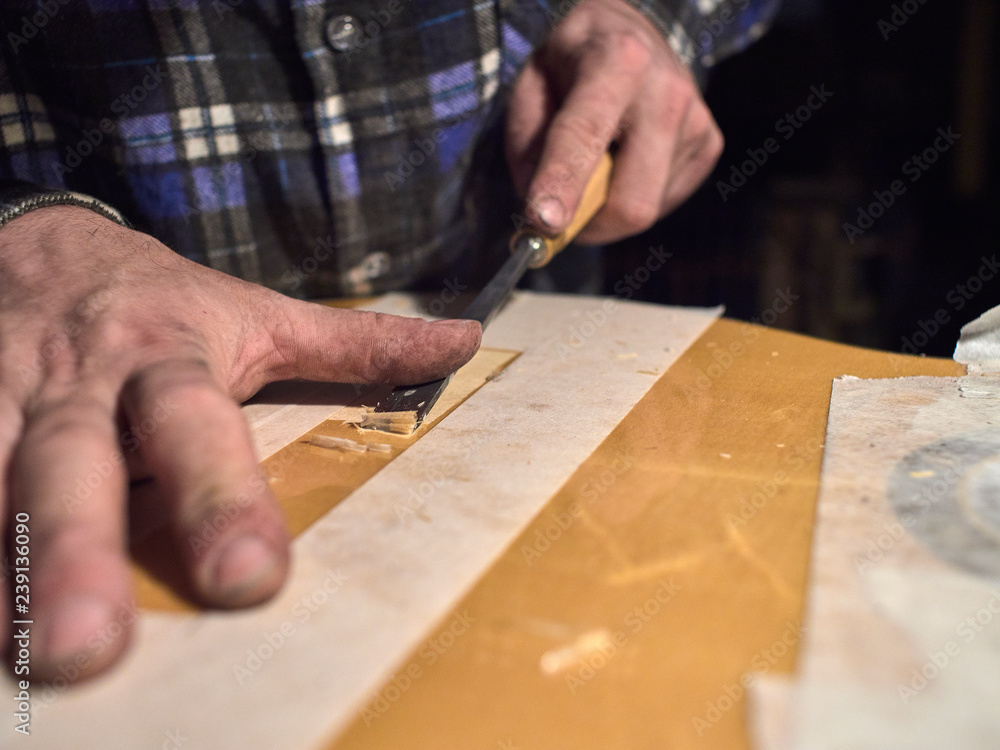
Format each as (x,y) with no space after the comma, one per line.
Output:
(341,31)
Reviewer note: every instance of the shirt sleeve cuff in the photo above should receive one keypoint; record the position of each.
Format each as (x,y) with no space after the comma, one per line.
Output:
(18,198)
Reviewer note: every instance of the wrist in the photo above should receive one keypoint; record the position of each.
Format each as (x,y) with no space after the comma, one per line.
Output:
(48,236)
(19,198)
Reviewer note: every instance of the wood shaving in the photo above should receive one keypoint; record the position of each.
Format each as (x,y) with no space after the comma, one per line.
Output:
(343,444)
(400,422)
(348,445)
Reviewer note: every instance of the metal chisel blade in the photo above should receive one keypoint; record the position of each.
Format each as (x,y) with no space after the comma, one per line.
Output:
(422,397)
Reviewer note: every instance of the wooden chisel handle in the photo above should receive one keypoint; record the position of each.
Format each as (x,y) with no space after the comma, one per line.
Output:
(594,196)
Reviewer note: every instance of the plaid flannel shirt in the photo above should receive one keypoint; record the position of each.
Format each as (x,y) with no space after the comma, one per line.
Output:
(319,147)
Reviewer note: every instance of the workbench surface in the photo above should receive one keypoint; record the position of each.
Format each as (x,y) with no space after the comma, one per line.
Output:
(672,563)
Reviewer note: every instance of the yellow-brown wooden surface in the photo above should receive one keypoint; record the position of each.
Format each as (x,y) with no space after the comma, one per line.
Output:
(704,497)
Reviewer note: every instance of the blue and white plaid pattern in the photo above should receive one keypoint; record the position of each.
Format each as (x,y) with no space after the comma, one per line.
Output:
(242,136)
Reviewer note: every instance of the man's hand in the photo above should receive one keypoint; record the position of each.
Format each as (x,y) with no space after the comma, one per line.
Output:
(607,74)
(106,337)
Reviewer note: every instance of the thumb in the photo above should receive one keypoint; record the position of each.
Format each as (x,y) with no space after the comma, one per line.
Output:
(316,342)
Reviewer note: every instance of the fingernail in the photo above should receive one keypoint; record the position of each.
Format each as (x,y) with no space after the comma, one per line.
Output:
(75,622)
(550,212)
(243,562)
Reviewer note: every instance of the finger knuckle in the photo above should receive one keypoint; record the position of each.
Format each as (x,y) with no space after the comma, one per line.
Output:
(76,419)
(51,357)
(583,129)
(583,139)
(11,423)
(118,334)
(706,145)
(113,334)
(679,97)
(716,144)
(278,340)
(382,347)
(632,51)
(635,215)
(182,380)
(685,86)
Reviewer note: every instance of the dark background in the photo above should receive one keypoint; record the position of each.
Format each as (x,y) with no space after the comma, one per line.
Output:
(784,228)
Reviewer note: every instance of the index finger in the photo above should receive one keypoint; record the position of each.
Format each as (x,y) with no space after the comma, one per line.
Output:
(607,82)
(226,524)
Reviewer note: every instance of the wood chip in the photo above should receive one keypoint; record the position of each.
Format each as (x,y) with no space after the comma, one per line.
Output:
(336,443)
(400,422)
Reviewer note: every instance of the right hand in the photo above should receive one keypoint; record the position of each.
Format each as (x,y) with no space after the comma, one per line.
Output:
(105,330)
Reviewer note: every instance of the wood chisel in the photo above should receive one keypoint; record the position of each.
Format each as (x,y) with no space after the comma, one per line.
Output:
(405,407)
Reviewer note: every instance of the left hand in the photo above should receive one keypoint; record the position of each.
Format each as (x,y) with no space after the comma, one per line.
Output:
(606,74)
